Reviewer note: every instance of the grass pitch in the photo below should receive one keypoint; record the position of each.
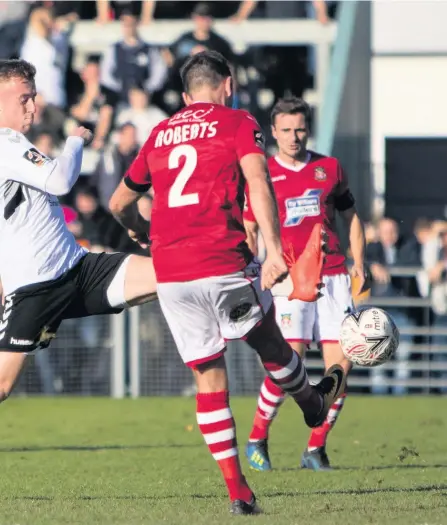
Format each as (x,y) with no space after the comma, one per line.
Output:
(129,462)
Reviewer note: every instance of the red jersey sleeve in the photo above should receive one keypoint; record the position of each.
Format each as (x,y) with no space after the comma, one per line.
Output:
(249,137)
(344,200)
(138,177)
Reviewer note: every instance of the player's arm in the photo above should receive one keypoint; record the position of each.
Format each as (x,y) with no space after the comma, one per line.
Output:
(124,202)
(260,204)
(251,229)
(251,226)
(23,163)
(262,199)
(345,205)
(356,236)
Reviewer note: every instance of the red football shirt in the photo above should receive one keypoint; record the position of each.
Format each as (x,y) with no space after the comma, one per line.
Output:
(306,196)
(192,161)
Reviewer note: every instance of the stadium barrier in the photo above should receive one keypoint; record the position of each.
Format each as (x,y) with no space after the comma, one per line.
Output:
(134,354)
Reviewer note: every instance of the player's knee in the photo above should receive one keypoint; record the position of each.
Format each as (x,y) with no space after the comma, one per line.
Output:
(135,281)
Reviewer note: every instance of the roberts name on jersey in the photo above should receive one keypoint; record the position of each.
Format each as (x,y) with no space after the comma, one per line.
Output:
(185,133)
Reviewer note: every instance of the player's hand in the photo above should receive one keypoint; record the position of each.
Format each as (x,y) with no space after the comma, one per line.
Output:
(141,238)
(274,270)
(363,276)
(84,133)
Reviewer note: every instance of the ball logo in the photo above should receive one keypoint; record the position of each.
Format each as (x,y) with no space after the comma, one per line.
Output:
(369,337)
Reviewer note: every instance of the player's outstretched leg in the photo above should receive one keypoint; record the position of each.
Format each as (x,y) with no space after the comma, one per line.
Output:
(287,370)
(140,285)
(216,423)
(315,456)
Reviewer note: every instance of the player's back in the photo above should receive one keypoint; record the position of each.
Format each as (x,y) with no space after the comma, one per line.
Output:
(193,158)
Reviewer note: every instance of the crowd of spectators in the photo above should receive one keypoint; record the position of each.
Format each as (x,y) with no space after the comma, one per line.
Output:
(121,94)
(410,267)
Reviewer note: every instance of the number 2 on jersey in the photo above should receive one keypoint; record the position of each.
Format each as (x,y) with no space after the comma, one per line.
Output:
(176,196)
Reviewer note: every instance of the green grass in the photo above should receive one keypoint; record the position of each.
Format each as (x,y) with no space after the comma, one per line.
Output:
(106,462)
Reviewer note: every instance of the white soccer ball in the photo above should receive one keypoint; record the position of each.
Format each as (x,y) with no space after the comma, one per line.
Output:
(369,337)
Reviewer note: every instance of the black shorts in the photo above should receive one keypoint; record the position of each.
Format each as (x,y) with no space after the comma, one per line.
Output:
(32,314)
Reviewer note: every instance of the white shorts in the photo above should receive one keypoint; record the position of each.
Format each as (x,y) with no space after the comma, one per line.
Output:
(319,321)
(203,314)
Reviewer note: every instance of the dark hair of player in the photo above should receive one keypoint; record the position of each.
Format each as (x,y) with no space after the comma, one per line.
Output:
(207,68)
(290,106)
(16,69)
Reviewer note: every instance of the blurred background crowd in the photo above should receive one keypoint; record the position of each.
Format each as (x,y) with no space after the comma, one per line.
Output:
(121,95)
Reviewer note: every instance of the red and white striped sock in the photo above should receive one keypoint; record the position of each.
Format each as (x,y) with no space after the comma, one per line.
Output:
(318,436)
(289,373)
(270,399)
(217,425)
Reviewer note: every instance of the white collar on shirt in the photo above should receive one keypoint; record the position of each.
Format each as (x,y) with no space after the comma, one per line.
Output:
(291,167)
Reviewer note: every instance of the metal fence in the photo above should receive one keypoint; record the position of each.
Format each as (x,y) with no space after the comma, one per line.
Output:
(134,354)
(78,362)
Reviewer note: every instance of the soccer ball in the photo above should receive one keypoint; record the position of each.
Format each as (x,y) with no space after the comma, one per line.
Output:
(369,337)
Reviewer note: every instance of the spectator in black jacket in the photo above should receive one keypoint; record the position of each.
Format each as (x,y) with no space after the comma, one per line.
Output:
(128,63)
(131,61)
(382,255)
(200,39)
(392,250)
(97,226)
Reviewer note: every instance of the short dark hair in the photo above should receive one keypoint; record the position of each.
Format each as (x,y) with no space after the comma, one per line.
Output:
(207,68)
(93,58)
(87,190)
(127,124)
(291,106)
(202,9)
(422,224)
(128,12)
(16,69)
